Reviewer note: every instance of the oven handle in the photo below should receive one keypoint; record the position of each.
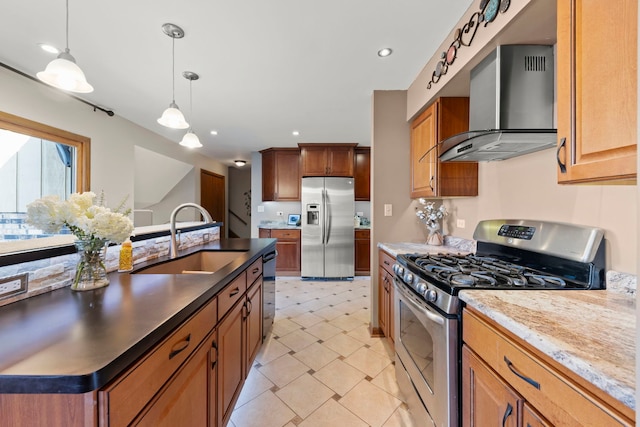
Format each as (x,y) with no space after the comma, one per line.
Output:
(435,318)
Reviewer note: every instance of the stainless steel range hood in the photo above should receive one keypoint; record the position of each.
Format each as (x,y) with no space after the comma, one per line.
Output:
(510,106)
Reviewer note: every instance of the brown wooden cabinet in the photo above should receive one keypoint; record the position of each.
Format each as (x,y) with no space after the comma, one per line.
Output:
(597,105)
(499,369)
(362,174)
(386,310)
(429,176)
(281,174)
(327,159)
(362,252)
(289,247)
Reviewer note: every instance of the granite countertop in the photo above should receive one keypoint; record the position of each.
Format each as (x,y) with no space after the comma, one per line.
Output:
(452,245)
(75,342)
(592,333)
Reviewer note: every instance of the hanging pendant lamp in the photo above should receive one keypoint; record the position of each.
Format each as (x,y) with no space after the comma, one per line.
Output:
(172,117)
(190,139)
(63,72)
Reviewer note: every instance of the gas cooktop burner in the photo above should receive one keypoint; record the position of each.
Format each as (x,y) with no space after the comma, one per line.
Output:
(469,271)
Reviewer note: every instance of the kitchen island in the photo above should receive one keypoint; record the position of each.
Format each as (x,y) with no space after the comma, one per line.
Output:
(66,343)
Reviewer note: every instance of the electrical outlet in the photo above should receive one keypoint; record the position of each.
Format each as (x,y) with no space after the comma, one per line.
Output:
(260,208)
(460,223)
(13,285)
(280,213)
(388,210)
(360,214)
(205,237)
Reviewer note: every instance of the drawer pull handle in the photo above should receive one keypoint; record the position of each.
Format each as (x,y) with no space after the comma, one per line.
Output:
(507,412)
(255,270)
(249,307)
(215,347)
(527,379)
(234,292)
(562,166)
(183,345)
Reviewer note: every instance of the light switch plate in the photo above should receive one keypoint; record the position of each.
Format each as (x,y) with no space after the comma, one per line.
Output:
(460,223)
(388,209)
(260,208)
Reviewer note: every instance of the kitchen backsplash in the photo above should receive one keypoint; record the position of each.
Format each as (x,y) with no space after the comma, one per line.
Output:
(48,274)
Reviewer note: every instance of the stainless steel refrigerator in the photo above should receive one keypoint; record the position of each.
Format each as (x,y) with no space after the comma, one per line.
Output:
(327,227)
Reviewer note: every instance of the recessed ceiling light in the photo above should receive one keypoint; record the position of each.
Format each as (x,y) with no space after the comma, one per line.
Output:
(49,48)
(214,132)
(385,52)
(295,133)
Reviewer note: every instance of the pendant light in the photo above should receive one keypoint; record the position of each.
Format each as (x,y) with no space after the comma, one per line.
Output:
(172,117)
(63,72)
(190,139)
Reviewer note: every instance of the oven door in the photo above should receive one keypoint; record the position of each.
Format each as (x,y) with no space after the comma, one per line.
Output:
(426,348)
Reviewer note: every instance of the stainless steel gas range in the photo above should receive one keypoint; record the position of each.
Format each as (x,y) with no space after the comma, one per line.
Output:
(511,254)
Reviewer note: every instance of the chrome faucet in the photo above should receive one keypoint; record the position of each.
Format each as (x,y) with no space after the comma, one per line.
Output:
(173,249)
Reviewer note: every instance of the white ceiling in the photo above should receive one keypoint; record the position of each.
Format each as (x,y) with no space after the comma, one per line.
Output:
(266,67)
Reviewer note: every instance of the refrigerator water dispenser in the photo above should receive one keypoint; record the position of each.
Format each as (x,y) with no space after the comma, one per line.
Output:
(313,214)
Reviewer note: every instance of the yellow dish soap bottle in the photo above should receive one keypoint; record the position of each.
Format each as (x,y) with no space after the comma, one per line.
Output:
(126,257)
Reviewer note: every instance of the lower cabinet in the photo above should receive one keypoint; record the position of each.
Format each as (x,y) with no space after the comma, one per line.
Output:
(362,252)
(386,310)
(289,245)
(505,382)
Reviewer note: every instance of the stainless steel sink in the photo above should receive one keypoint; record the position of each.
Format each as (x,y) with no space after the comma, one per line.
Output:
(204,262)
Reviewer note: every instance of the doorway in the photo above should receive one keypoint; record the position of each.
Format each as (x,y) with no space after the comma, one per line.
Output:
(212,196)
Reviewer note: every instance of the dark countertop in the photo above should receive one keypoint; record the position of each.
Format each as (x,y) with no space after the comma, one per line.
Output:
(75,342)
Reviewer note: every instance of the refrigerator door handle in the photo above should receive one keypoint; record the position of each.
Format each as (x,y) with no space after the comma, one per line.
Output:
(328,213)
(324,215)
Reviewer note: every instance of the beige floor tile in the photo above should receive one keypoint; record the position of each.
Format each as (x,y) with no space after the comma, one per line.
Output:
(368,361)
(363,314)
(386,380)
(370,403)
(255,385)
(307,320)
(332,414)
(346,323)
(399,418)
(271,349)
(315,304)
(361,333)
(297,340)
(283,327)
(316,356)
(323,330)
(283,370)
(328,313)
(343,344)
(304,403)
(264,411)
(291,311)
(384,348)
(339,376)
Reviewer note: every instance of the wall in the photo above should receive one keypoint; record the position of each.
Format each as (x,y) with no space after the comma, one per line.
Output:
(112,138)
(239,183)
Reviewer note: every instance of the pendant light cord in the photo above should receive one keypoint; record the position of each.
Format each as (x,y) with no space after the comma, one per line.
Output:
(67,29)
(173,68)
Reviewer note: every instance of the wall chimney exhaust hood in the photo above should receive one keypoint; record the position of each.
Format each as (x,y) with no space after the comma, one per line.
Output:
(510,106)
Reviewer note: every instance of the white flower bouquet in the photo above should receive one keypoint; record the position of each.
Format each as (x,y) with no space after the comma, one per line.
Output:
(84,218)
(92,223)
(431,216)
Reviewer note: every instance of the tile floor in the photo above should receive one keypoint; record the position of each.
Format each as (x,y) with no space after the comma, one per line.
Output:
(320,367)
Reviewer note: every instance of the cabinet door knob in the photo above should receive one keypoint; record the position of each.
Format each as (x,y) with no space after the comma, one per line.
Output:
(562,166)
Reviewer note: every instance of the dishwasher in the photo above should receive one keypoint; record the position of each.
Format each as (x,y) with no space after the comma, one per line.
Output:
(269,291)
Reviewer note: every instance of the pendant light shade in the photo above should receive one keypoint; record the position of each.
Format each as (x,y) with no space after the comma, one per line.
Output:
(190,139)
(63,72)
(172,117)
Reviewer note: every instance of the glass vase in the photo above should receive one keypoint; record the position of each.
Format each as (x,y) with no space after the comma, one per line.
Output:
(435,238)
(91,272)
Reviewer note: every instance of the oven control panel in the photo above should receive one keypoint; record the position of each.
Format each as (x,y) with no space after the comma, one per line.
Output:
(517,231)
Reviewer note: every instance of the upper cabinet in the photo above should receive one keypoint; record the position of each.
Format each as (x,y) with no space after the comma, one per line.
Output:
(597,90)
(430,177)
(327,159)
(281,174)
(362,175)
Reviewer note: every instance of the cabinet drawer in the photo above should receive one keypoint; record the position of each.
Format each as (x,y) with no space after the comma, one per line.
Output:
(231,293)
(559,399)
(285,234)
(131,392)
(254,271)
(386,261)
(362,234)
